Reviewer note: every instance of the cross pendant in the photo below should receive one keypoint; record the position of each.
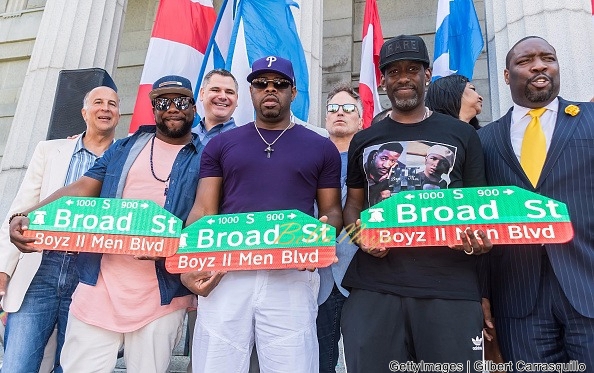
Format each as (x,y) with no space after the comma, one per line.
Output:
(166,190)
(268,150)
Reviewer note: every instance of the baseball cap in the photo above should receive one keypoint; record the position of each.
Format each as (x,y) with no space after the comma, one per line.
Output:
(272,64)
(171,84)
(403,47)
(443,151)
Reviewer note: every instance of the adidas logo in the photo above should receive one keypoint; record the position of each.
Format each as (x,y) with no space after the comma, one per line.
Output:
(478,343)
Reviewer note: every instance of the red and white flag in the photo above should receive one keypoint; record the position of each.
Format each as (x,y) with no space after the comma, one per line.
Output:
(179,39)
(370,74)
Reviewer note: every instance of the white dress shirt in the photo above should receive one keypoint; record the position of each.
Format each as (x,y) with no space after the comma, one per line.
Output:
(520,119)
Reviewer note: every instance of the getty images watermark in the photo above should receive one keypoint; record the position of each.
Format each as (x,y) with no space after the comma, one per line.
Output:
(486,366)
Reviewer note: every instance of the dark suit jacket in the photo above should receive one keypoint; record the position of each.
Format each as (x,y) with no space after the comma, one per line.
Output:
(567,176)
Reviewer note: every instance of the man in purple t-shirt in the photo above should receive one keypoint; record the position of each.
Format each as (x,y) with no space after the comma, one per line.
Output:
(268,164)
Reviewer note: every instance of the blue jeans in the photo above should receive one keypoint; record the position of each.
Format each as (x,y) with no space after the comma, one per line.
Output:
(328,323)
(45,305)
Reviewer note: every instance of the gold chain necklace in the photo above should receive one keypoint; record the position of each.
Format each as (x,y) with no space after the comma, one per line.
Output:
(269,149)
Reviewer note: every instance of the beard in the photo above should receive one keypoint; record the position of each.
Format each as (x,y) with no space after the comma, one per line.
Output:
(270,114)
(174,133)
(541,95)
(406,104)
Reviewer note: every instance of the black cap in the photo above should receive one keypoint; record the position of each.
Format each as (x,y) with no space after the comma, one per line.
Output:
(403,47)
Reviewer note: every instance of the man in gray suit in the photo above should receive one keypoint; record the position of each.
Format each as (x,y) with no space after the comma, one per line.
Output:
(38,295)
(543,295)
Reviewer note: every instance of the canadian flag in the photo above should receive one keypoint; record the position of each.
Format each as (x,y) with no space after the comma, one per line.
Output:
(179,39)
(370,74)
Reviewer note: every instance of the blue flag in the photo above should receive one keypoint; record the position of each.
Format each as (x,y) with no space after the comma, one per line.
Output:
(247,30)
(458,38)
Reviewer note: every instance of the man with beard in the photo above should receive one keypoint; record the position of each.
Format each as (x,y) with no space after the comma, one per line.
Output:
(132,300)
(268,164)
(543,295)
(412,304)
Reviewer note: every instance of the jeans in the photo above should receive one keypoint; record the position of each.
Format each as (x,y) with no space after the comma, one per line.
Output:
(45,305)
(328,323)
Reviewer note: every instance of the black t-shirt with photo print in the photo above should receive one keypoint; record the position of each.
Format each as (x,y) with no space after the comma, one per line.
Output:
(438,152)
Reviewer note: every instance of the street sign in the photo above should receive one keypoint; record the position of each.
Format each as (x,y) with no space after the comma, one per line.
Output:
(508,215)
(256,240)
(105,225)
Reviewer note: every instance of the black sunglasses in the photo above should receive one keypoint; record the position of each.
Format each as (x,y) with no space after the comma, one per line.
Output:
(347,108)
(262,83)
(181,103)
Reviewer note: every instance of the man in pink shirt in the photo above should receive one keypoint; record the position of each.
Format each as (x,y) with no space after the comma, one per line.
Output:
(124,299)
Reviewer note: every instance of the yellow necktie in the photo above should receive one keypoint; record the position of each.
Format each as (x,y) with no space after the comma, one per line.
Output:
(534,147)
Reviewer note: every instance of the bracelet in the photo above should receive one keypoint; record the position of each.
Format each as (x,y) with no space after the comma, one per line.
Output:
(15,215)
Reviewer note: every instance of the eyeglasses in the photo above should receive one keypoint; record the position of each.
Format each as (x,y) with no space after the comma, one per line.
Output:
(262,83)
(347,108)
(181,103)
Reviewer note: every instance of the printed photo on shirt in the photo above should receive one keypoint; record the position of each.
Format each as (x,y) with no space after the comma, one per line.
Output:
(407,165)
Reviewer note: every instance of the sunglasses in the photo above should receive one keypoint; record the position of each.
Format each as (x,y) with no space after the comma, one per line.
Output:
(262,83)
(181,103)
(347,108)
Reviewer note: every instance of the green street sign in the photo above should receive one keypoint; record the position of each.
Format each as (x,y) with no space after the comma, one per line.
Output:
(255,240)
(507,214)
(105,225)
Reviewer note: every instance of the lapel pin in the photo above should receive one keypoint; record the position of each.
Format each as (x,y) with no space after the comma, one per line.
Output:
(572,110)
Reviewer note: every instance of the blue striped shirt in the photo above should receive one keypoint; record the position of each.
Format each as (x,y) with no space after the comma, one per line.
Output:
(82,160)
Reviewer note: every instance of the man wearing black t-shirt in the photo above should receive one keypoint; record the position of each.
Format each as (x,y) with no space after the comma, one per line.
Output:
(413,304)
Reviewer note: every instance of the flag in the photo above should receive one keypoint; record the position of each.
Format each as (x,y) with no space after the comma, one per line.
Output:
(178,42)
(247,30)
(458,38)
(370,75)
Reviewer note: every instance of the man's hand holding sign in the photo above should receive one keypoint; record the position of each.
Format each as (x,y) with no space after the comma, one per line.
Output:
(470,244)
(102,225)
(251,241)
(475,216)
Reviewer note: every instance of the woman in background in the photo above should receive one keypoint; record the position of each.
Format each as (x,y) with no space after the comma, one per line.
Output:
(454,95)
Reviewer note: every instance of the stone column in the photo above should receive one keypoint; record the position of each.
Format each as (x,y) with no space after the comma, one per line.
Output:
(72,34)
(566,24)
(309,18)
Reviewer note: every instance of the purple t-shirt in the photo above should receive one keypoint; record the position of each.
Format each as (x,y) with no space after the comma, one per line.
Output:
(302,162)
